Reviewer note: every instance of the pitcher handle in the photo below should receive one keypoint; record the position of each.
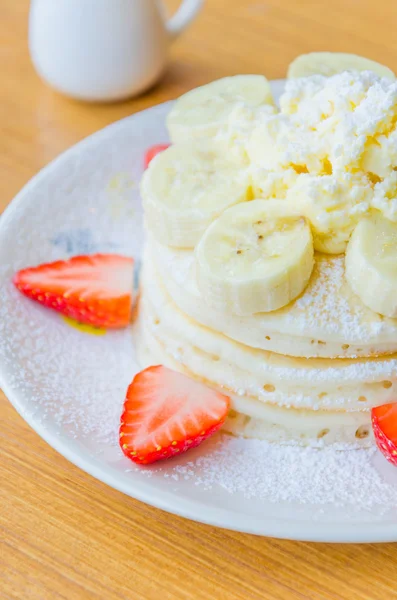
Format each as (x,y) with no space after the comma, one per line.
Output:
(184,16)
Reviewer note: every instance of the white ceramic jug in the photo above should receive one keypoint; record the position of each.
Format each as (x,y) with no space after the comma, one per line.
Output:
(103,50)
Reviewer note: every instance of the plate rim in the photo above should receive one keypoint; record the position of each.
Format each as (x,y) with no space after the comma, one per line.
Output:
(319,531)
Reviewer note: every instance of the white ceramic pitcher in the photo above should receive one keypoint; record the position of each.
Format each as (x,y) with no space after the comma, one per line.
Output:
(103,50)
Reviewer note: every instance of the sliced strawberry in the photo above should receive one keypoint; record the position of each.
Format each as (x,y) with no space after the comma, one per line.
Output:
(93,289)
(166,413)
(384,424)
(153,151)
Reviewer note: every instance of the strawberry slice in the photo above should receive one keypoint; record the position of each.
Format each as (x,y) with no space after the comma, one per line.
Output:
(384,424)
(153,151)
(166,413)
(95,290)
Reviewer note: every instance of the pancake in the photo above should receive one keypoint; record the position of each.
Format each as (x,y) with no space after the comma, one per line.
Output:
(309,372)
(253,418)
(327,320)
(301,383)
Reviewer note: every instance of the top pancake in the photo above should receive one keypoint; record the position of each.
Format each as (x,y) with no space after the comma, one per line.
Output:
(327,320)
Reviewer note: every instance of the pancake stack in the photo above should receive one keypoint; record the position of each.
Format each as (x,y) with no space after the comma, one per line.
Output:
(235,291)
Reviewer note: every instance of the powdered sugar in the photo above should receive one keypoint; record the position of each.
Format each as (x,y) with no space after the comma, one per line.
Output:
(334,308)
(334,311)
(257,470)
(71,380)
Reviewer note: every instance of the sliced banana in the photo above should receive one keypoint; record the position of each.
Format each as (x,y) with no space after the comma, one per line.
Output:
(185,188)
(371,264)
(256,257)
(330,63)
(202,111)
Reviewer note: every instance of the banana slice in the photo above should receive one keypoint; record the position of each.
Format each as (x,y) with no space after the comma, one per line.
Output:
(256,257)
(202,111)
(371,264)
(330,63)
(185,188)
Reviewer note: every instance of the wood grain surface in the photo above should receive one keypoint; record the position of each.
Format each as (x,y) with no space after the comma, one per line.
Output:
(64,534)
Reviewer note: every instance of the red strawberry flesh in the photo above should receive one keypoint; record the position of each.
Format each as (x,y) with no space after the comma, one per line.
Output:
(95,290)
(153,151)
(166,413)
(384,424)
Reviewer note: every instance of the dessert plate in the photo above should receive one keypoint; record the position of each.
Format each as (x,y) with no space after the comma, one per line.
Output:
(69,383)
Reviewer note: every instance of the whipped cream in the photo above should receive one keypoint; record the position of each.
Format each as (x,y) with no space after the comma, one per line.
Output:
(332,149)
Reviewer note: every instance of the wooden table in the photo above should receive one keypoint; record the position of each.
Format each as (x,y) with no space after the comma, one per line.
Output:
(64,534)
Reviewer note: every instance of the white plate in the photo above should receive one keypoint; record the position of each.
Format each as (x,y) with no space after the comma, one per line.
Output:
(69,386)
